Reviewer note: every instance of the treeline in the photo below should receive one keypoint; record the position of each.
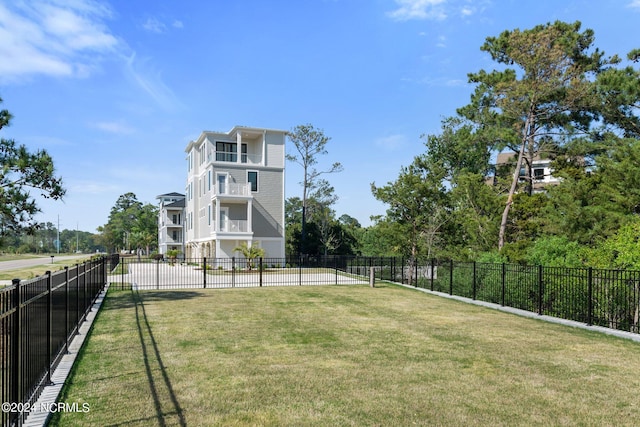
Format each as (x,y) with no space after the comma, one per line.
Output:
(552,96)
(45,239)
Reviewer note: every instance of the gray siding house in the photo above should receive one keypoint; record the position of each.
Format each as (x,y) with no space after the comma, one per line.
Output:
(235,192)
(170,222)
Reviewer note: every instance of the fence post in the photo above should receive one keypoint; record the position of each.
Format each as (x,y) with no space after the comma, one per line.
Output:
(402,269)
(84,292)
(540,290)
(78,298)
(590,297)
(335,267)
(433,261)
(504,270)
(260,270)
(204,268)
(157,274)
(16,346)
(474,283)
(450,277)
(49,326)
(233,272)
(300,271)
(66,308)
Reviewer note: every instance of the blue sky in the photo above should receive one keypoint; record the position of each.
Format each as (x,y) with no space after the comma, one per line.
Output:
(115,90)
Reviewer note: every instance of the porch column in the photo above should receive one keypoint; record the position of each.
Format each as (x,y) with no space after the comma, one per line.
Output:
(216,220)
(250,216)
(264,147)
(239,147)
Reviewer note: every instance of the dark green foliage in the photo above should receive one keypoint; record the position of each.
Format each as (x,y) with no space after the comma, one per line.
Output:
(22,171)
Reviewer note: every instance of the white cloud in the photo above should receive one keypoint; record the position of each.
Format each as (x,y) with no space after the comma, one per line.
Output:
(419,9)
(116,127)
(150,81)
(391,142)
(154,26)
(92,187)
(466,11)
(634,4)
(52,37)
(177,24)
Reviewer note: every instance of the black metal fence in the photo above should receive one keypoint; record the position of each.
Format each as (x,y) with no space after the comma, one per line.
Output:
(38,319)
(601,297)
(609,298)
(146,273)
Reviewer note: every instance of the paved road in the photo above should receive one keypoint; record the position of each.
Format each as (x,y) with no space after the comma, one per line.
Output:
(30,262)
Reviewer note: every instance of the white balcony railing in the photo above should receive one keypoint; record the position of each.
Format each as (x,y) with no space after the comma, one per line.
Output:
(231,226)
(230,189)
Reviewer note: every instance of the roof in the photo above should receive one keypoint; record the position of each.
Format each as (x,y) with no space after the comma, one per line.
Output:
(170,195)
(177,204)
(234,131)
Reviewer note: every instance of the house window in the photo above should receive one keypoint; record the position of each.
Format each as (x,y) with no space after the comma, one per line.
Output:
(228,152)
(538,173)
(222,184)
(252,179)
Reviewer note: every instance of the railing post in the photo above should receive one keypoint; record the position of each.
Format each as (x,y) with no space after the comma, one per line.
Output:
(49,326)
(204,269)
(16,346)
(260,268)
(590,297)
(540,290)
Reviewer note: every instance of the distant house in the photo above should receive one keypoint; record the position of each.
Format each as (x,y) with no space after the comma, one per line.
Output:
(235,192)
(541,171)
(171,222)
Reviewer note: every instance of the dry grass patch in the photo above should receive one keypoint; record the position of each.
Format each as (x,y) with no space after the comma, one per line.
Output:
(343,355)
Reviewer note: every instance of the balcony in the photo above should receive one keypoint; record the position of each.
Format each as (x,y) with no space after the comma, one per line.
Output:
(233,190)
(232,157)
(231,226)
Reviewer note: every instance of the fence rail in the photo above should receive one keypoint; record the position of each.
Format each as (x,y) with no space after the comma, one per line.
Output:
(38,319)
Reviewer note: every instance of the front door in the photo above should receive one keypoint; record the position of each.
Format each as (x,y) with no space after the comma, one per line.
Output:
(224,219)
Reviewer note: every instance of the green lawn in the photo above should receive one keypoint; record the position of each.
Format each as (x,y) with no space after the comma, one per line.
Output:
(343,355)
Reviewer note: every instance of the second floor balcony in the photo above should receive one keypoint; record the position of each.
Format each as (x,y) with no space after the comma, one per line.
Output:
(224,189)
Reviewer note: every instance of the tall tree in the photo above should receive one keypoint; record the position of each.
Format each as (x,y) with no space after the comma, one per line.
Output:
(20,172)
(416,207)
(131,224)
(309,143)
(546,100)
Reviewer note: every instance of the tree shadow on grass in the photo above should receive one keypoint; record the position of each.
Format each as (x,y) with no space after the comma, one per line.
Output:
(153,361)
(121,299)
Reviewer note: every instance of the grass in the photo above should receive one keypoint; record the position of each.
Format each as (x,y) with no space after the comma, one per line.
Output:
(342,355)
(39,270)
